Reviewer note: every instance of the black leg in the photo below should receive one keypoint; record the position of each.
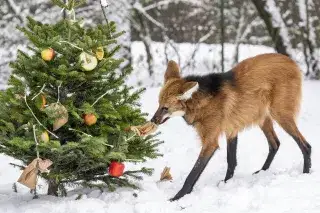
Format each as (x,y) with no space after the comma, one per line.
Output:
(273,143)
(194,175)
(231,157)
(305,148)
(272,152)
(289,125)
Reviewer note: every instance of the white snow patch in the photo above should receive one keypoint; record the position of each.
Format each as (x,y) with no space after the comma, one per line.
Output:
(104,3)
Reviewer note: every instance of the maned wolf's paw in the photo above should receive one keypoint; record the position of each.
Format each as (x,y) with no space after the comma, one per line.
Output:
(256,172)
(221,183)
(180,194)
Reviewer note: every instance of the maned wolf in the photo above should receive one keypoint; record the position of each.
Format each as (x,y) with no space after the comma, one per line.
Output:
(255,92)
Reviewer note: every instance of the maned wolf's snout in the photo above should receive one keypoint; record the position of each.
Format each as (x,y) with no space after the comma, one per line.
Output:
(161,115)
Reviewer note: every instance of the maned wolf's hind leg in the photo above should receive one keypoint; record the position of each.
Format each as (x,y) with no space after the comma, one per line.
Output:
(273,142)
(283,109)
(289,125)
(231,157)
(201,163)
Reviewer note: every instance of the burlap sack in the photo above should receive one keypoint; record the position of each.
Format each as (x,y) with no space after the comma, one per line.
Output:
(30,173)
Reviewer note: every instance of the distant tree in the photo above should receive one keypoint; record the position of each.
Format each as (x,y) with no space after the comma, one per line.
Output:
(222,34)
(246,20)
(276,28)
(308,37)
(291,25)
(15,13)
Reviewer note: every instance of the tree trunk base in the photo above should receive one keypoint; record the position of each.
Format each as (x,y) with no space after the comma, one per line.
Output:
(53,187)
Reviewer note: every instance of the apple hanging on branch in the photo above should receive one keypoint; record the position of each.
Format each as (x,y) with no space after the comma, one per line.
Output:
(89,119)
(47,54)
(88,62)
(116,169)
(45,137)
(99,53)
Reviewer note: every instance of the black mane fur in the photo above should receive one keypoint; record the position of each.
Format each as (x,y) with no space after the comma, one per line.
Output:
(212,83)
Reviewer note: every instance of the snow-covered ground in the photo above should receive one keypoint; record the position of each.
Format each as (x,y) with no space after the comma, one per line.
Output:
(281,189)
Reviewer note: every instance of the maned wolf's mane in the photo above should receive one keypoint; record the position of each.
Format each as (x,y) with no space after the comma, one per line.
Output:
(213,82)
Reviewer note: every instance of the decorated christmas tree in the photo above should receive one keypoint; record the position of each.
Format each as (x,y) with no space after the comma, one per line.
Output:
(67,105)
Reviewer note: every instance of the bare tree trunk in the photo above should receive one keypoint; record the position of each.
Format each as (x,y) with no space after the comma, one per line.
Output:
(13,8)
(238,34)
(317,7)
(145,37)
(313,62)
(313,69)
(147,45)
(64,15)
(53,187)
(222,33)
(305,50)
(273,31)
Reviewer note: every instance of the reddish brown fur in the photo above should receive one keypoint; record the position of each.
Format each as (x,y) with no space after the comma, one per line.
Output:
(266,87)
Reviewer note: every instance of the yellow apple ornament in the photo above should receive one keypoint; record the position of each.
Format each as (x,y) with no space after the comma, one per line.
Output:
(45,137)
(99,53)
(88,62)
(47,54)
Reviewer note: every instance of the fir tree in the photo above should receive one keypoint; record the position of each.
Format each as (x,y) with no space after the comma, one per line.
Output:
(69,95)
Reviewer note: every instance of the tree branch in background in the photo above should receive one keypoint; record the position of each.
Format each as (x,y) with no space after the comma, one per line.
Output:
(141,10)
(15,9)
(166,2)
(274,31)
(201,40)
(308,39)
(246,23)
(222,35)
(168,42)
(239,33)
(145,37)
(317,7)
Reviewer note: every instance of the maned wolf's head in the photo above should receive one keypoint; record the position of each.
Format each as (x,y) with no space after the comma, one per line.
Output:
(173,95)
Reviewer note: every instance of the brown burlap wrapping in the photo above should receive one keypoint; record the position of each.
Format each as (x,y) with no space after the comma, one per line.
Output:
(30,173)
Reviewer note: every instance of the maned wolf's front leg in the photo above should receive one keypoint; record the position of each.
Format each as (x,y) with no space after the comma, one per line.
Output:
(231,156)
(203,159)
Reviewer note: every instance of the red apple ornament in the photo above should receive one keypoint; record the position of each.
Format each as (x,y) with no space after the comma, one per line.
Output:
(116,169)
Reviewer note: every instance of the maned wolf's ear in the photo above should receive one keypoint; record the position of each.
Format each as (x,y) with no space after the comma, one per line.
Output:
(172,71)
(188,89)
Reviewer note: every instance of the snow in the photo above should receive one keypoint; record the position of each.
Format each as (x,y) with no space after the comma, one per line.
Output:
(104,3)
(281,189)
